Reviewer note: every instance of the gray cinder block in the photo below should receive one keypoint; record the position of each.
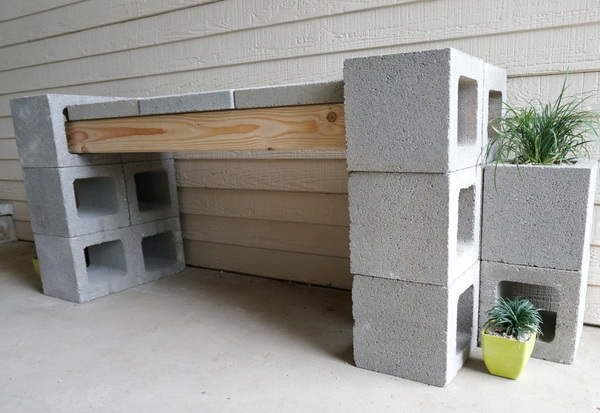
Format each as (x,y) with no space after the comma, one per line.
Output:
(414,112)
(113,109)
(151,190)
(420,332)
(561,294)
(83,268)
(194,102)
(161,249)
(414,227)
(494,93)
(40,130)
(7,229)
(540,216)
(79,200)
(290,95)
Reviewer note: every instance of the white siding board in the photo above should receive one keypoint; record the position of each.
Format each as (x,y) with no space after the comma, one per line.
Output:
(7,129)
(11,170)
(21,210)
(299,207)
(23,230)
(8,149)
(10,10)
(12,190)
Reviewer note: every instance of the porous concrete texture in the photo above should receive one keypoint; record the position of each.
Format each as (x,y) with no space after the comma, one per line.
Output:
(494,94)
(74,201)
(113,109)
(39,123)
(151,190)
(83,268)
(560,293)
(208,341)
(7,229)
(193,102)
(416,331)
(290,95)
(414,112)
(539,215)
(160,247)
(413,226)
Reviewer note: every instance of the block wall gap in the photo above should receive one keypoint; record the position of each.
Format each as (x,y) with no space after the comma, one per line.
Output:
(467,112)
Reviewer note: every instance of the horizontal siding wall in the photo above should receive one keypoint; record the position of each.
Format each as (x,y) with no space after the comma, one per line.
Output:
(276,215)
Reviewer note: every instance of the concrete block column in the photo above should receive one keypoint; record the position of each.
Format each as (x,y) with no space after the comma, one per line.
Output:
(414,130)
(101,223)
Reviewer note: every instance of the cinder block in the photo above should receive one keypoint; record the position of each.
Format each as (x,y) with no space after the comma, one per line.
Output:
(83,268)
(113,109)
(194,102)
(7,229)
(494,93)
(40,130)
(414,227)
(414,112)
(560,293)
(151,190)
(68,202)
(161,249)
(290,95)
(538,215)
(416,331)
(6,209)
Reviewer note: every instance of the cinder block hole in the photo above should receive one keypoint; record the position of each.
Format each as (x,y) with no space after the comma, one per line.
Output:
(105,261)
(466,219)
(464,321)
(95,197)
(152,189)
(494,112)
(542,297)
(467,111)
(159,251)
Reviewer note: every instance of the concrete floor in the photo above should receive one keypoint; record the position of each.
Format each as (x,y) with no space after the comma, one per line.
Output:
(206,341)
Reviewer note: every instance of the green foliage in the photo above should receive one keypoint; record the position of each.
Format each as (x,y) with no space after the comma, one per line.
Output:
(543,133)
(517,318)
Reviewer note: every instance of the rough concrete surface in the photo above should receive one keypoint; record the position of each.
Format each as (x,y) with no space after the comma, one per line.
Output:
(193,102)
(113,109)
(544,211)
(557,291)
(414,112)
(206,341)
(290,95)
(414,226)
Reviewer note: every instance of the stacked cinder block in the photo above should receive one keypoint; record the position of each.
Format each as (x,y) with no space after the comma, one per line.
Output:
(100,225)
(537,247)
(414,139)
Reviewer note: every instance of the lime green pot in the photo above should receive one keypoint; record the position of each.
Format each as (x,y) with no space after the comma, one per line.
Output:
(505,357)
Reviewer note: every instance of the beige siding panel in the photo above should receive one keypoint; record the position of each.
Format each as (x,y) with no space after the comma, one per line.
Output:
(83,15)
(594,271)
(328,176)
(13,9)
(313,239)
(23,230)
(11,170)
(592,308)
(301,207)
(504,49)
(12,190)
(312,269)
(21,210)
(8,149)
(7,129)
(596,226)
(179,25)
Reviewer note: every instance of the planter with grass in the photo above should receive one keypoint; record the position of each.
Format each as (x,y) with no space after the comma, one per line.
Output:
(508,338)
(538,205)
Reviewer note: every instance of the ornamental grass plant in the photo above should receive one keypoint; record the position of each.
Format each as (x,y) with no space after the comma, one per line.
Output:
(544,133)
(517,319)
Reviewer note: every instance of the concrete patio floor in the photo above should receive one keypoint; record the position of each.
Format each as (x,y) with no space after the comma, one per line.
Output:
(207,341)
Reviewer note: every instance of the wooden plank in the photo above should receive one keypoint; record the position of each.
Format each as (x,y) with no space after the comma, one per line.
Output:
(592,307)
(305,175)
(12,190)
(306,268)
(311,127)
(300,154)
(313,239)
(8,149)
(302,207)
